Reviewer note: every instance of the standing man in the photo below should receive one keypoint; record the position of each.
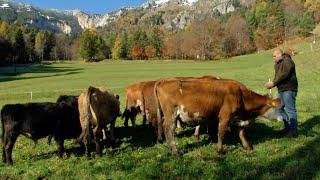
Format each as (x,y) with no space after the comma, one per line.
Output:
(287,83)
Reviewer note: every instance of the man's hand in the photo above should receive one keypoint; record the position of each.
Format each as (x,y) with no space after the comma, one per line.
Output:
(269,85)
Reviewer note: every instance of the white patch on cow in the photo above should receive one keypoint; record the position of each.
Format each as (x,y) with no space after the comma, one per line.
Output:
(218,77)
(104,136)
(196,115)
(139,104)
(28,135)
(196,132)
(243,123)
(180,91)
(94,116)
(184,115)
(147,115)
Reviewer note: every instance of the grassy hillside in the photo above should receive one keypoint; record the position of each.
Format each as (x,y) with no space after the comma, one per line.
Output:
(137,157)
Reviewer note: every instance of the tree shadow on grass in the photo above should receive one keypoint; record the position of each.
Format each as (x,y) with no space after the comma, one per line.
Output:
(54,71)
(303,163)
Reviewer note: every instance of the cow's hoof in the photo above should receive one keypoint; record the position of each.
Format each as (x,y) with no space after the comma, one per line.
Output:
(175,153)
(249,152)
(159,141)
(221,151)
(196,137)
(219,157)
(9,163)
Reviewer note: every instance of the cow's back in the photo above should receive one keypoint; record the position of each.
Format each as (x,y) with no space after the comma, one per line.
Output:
(198,98)
(37,120)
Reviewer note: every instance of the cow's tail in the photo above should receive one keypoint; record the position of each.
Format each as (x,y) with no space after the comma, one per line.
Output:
(85,135)
(2,125)
(159,126)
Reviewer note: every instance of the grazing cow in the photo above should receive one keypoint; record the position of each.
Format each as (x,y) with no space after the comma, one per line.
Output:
(195,101)
(181,81)
(73,102)
(134,104)
(97,108)
(37,120)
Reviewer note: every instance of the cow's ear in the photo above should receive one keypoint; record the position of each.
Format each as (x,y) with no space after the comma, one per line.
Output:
(117,96)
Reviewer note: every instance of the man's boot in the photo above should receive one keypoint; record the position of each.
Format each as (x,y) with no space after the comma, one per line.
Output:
(285,130)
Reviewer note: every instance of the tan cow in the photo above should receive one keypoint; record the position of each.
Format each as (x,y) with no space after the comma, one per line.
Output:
(198,100)
(134,103)
(181,81)
(97,108)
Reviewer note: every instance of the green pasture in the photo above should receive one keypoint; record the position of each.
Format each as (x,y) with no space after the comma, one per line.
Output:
(136,156)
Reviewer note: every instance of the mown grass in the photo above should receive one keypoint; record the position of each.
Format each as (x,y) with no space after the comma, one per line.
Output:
(136,156)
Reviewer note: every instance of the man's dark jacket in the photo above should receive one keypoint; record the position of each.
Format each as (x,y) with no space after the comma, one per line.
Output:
(285,74)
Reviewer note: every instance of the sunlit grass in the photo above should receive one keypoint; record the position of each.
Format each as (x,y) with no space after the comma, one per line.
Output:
(137,157)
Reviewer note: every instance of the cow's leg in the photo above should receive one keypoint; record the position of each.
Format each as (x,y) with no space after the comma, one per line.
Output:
(179,124)
(97,132)
(169,127)
(3,150)
(144,121)
(112,127)
(223,126)
(197,132)
(86,141)
(134,113)
(244,141)
(11,138)
(126,115)
(60,148)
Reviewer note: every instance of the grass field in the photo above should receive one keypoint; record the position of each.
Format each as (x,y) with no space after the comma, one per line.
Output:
(137,157)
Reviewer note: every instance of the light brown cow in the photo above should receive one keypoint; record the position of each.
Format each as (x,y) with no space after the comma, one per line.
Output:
(181,80)
(195,101)
(97,108)
(134,103)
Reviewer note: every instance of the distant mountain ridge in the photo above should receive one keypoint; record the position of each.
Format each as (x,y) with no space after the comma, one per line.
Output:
(169,13)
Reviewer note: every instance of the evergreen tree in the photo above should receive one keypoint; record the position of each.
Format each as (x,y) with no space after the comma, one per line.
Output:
(89,46)
(156,41)
(20,48)
(48,45)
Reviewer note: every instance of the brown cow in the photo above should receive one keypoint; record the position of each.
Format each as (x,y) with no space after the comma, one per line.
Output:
(134,103)
(181,82)
(97,108)
(195,101)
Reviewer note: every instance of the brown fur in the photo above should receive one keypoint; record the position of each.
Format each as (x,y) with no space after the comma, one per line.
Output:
(208,99)
(133,94)
(97,108)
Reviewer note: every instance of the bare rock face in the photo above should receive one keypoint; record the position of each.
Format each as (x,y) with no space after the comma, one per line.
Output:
(171,14)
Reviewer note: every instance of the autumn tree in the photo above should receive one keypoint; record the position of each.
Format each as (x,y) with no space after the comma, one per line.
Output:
(139,39)
(150,52)
(39,44)
(237,36)
(137,52)
(119,50)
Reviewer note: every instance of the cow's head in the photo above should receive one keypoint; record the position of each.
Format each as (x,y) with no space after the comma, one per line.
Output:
(271,113)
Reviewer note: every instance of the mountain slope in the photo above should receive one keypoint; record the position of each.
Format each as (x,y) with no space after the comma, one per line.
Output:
(171,14)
